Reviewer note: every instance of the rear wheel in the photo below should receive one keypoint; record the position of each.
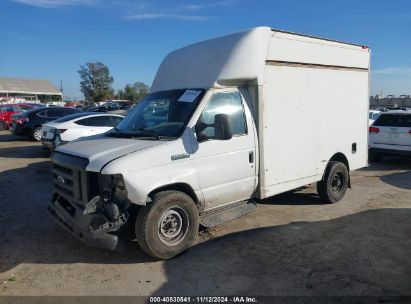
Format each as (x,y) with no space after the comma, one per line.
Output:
(37,134)
(168,225)
(334,184)
(3,126)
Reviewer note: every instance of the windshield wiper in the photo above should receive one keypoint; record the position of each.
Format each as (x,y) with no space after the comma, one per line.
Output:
(144,132)
(141,133)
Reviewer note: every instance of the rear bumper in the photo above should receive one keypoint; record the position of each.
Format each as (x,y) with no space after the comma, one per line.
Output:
(390,151)
(19,129)
(74,220)
(47,143)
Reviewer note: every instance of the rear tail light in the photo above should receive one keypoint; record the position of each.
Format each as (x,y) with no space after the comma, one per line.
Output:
(22,119)
(409,132)
(58,131)
(374,130)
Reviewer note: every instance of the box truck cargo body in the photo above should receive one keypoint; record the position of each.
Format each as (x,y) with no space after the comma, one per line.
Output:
(228,121)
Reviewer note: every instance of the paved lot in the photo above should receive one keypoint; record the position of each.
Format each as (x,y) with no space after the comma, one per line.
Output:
(293,244)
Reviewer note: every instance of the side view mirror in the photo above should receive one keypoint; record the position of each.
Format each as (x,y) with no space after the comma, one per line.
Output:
(222,127)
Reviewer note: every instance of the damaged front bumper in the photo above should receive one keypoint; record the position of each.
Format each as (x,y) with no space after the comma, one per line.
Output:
(95,224)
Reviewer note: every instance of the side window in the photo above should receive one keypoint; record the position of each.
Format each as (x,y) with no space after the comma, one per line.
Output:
(42,114)
(113,106)
(114,121)
(55,113)
(69,111)
(97,121)
(225,103)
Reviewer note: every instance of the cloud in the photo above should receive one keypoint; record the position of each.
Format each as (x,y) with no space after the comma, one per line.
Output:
(179,10)
(142,9)
(147,16)
(401,71)
(56,3)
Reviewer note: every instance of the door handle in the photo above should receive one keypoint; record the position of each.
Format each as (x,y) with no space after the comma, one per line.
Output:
(251,157)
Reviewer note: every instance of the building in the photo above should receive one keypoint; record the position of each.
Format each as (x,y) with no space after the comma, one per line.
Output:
(28,89)
(391,101)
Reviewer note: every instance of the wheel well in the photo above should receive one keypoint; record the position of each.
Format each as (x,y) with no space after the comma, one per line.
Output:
(182,187)
(340,157)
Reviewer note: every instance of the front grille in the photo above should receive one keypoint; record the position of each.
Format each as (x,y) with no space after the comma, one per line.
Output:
(69,177)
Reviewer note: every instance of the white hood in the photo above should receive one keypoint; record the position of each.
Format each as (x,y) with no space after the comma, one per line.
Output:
(100,150)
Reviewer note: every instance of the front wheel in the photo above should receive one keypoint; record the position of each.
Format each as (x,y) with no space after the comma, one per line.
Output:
(334,184)
(37,134)
(168,225)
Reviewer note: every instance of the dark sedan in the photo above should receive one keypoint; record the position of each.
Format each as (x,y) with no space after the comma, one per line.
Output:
(29,123)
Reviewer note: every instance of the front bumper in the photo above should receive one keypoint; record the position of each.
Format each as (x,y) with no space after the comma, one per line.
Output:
(91,228)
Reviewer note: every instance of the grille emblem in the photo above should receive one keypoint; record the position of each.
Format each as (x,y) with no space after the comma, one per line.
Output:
(61,179)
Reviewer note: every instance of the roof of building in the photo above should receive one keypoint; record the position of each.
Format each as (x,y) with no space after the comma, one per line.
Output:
(27,86)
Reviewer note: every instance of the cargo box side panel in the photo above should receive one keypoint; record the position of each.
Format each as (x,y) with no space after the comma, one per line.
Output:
(309,114)
(292,48)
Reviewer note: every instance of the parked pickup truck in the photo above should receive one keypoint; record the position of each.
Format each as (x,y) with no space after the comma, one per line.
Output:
(228,121)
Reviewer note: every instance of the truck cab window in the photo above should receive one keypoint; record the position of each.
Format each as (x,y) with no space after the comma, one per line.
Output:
(229,103)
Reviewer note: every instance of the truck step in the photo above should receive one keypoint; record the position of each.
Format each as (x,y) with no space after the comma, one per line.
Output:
(227,213)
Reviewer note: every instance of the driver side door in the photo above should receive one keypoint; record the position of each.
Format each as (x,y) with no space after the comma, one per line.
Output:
(226,169)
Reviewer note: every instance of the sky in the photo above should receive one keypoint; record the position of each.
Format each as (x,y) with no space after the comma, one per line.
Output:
(50,39)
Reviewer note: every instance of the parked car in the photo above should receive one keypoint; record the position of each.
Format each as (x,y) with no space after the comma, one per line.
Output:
(7,110)
(72,127)
(240,131)
(372,116)
(124,111)
(110,106)
(390,134)
(29,123)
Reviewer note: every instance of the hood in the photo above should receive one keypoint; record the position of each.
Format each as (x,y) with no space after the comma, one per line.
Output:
(100,150)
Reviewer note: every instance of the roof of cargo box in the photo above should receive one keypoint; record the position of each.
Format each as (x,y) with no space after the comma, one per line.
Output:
(233,59)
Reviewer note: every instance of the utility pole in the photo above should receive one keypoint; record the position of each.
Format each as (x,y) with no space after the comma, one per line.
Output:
(61,90)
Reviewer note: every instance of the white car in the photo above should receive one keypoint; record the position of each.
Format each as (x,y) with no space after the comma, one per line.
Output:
(71,127)
(390,134)
(372,116)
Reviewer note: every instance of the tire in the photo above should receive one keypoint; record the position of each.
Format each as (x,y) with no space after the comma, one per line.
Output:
(153,231)
(36,135)
(3,126)
(374,157)
(334,184)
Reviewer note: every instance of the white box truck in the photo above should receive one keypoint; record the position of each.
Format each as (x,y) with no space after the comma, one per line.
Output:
(228,121)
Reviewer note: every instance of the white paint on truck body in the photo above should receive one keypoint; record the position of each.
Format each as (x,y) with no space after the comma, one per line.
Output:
(295,91)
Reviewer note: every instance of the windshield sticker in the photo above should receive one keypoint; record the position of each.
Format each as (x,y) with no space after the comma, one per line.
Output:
(189,96)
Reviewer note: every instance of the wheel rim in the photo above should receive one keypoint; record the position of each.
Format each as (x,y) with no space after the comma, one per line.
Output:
(37,134)
(173,226)
(338,182)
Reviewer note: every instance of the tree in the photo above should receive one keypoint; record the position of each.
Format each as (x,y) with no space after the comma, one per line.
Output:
(95,81)
(134,92)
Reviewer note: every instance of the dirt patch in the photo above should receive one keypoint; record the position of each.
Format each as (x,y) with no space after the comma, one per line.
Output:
(294,244)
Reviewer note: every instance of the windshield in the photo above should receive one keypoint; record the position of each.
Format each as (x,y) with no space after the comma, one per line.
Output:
(160,114)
